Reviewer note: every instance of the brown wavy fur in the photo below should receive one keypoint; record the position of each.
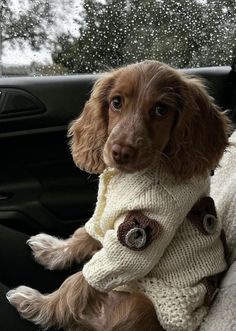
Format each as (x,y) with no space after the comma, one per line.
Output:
(89,132)
(195,137)
(79,307)
(201,132)
(198,139)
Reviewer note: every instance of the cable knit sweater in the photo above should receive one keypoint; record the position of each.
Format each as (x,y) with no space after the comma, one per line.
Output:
(223,189)
(170,267)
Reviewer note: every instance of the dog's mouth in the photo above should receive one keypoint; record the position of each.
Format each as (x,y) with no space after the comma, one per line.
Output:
(140,163)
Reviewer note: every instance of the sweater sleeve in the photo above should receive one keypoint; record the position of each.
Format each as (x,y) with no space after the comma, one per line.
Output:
(117,264)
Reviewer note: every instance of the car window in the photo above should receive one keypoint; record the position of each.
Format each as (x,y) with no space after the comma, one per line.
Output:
(39,37)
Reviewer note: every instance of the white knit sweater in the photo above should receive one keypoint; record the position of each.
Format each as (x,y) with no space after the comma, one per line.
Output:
(223,190)
(170,269)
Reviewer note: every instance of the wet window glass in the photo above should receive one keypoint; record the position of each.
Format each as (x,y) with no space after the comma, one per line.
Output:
(39,37)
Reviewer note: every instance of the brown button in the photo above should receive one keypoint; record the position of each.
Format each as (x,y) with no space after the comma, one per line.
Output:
(203,216)
(138,231)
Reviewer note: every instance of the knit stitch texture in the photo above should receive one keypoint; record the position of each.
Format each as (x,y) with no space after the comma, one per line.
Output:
(223,190)
(170,270)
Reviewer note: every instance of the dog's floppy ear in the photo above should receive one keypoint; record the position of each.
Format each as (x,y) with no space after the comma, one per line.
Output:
(201,133)
(89,132)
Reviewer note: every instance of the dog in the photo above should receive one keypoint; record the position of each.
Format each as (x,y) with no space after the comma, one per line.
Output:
(153,246)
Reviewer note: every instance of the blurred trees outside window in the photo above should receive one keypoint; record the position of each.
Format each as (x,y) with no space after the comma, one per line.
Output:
(90,36)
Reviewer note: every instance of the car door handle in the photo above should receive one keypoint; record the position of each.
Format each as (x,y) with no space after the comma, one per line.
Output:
(17,102)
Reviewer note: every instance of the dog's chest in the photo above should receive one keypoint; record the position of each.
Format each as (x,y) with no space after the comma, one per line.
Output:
(118,194)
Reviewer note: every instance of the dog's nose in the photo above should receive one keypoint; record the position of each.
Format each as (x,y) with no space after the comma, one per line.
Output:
(123,154)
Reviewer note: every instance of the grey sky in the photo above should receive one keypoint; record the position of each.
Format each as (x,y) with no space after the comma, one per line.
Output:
(63,22)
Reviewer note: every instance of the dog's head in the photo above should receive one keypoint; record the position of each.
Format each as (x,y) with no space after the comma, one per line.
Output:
(148,112)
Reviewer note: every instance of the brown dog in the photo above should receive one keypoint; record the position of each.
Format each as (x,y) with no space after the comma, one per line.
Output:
(142,114)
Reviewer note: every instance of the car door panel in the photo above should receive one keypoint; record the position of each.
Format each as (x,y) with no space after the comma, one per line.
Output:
(38,179)
(62,97)
(40,187)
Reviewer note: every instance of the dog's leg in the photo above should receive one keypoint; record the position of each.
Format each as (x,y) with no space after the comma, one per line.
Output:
(71,306)
(79,307)
(132,312)
(54,253)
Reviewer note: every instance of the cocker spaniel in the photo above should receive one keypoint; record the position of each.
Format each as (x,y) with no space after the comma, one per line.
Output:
(153,246)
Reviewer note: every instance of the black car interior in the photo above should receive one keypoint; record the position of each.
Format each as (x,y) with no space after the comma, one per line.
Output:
(41,190)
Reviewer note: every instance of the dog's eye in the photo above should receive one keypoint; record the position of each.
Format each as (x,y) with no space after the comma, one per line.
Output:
(116,103)
(160,110)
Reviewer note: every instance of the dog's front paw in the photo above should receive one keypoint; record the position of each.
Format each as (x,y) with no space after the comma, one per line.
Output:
(27,301)
(49,251)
